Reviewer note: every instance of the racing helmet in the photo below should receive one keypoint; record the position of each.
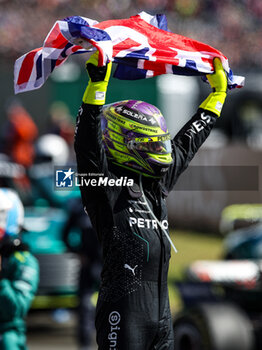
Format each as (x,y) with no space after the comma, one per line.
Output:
(135,137)
(11,215)
(53,148)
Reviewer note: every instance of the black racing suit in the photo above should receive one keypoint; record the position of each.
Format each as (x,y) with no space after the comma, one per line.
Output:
(133,306)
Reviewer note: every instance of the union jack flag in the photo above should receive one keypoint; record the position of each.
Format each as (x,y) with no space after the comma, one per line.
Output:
(141,46)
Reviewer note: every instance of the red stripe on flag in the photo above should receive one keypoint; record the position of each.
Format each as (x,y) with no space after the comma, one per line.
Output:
(156,67)
(26,67)
(75,48)
(166,56)
(210,62)
(123,45)
(158,38)
(56,39)
(58,62)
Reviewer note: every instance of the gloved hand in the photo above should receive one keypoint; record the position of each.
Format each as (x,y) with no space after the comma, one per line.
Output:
(218,82)
(95,92)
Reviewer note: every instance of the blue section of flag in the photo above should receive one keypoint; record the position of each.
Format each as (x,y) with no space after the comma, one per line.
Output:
(76,20)
(39,67)
(127,67)
(94,34)
(63,53)
(190,64)
(185,71)
(123,72)
(140,54)
(162,22)
(82,30)
(53,64)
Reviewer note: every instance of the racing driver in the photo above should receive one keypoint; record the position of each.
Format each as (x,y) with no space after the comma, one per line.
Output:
(130,139)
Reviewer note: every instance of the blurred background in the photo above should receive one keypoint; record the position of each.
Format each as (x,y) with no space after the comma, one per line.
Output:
(219,195)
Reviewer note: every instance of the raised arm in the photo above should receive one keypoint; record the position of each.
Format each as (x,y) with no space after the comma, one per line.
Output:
(90,154)
(88,138)
(193,134)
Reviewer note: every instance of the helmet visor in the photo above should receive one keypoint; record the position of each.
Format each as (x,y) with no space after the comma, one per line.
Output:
(157,144)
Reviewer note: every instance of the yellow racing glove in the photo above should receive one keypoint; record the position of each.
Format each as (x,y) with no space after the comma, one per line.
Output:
(95,93)
(218,81)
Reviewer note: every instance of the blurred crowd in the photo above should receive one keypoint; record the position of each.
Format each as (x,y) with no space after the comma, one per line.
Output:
(232,26)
